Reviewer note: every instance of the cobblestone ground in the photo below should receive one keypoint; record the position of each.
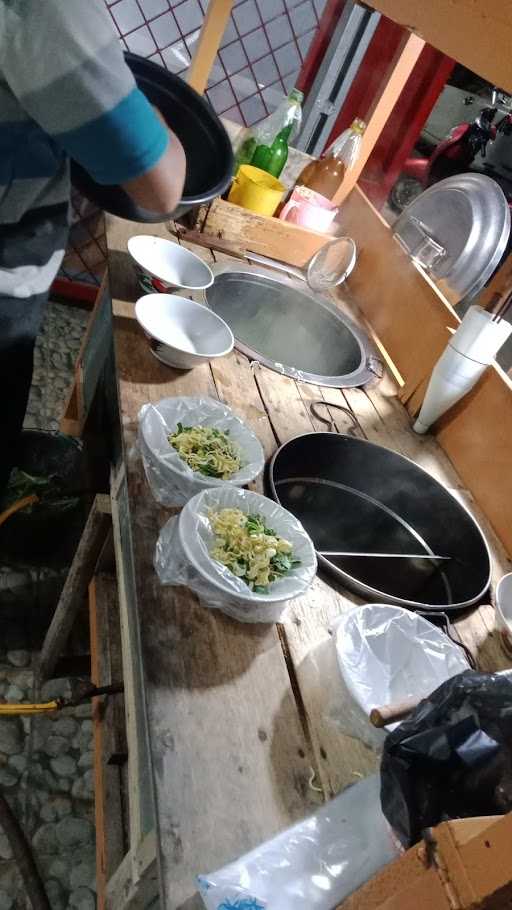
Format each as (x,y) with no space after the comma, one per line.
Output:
(46,763)
(54,362)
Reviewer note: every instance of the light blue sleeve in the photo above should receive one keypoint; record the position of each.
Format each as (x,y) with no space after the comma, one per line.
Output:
(119,145)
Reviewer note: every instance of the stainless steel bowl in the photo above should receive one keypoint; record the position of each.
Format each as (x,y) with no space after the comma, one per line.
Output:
(281,323)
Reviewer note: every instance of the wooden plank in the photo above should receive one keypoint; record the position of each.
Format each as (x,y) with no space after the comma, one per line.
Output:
(269,236)
(340,759)
(476,33)
(384,101)
(210,36)
(476,436)
(110,847)
(70,422)
(424,450)
(463,830)
(393,295)
(89,362)
(207,748)
(325,404)
(251,768)
(76,585)
(140,784)
(134,885)
(406,883)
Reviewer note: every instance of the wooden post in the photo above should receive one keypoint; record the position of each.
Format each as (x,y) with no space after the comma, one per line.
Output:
(399,72)
(214,26)
(76,585)
(106,670)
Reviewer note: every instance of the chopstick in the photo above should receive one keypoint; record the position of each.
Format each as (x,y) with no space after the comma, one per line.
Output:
(431,556)
(501,304)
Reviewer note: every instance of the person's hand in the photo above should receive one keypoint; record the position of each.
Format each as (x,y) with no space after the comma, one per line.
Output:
(160,189)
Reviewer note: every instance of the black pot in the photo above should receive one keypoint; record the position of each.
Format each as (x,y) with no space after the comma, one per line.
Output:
(48,531)
(206,143)
(352,495)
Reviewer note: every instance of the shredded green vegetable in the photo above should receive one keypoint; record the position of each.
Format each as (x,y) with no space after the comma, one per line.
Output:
(48,490)
(207,450)
(249,549)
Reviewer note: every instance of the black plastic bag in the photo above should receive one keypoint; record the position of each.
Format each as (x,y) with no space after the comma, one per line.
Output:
(452,758)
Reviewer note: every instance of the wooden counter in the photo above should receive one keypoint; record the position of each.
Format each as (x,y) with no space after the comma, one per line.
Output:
(227,735)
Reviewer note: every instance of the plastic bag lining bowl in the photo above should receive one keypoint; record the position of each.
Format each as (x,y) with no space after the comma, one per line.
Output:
(387,654)
(197,538)
(170,477)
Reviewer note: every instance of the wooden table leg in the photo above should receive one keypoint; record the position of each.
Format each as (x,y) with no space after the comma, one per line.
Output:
(76,585)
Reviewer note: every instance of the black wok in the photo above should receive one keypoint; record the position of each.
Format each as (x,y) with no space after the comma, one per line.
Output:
(207,146)
(353,495)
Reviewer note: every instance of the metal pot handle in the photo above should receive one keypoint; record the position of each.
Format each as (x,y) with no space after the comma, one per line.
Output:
(330,423)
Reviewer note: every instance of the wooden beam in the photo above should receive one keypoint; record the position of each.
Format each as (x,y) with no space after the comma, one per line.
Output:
(210,36)
(110,847)
(76,585)
(73,419)
(476,33)
(392,85)
(134,885)
(70,422)
(244,230)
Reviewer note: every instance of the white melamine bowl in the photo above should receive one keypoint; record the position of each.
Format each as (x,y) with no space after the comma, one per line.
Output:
(182,333)
(162,265)
(197,538)
(158,421)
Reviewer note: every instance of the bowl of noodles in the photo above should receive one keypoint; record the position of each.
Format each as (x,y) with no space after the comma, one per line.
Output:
(190,444)
(245,547)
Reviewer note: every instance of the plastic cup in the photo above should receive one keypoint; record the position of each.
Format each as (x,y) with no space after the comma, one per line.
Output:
(256,190)
(504,612)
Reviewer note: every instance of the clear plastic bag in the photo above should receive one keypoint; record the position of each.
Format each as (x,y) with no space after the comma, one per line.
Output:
(182,556)
(386,654)
(171,480)
(313,865)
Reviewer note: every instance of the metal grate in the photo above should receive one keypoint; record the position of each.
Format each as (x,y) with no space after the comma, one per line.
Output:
(261,53)
(260,58)
(86,255)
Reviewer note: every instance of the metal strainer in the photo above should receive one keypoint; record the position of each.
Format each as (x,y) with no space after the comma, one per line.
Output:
(329,266)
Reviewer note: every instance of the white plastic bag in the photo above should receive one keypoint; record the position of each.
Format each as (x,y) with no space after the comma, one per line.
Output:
(171,480)
(182,556)
(313,865)
(386,654)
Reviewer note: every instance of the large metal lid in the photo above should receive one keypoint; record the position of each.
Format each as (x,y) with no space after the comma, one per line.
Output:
(457,230)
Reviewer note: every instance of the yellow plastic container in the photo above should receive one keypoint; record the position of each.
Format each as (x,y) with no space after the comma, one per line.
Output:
(256,190)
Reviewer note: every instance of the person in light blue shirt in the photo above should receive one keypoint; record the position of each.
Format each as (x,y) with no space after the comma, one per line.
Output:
(65,92)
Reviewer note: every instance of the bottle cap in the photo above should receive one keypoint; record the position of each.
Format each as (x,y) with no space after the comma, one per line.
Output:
(358,126)
(296,95)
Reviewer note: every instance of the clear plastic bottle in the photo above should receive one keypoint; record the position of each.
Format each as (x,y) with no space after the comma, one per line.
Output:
(265,145)
(326,175)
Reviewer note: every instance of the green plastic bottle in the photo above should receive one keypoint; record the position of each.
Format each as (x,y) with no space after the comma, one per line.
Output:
(272,158)
(266,144)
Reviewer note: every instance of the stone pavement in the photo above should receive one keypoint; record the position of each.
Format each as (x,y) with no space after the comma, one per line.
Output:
(46,762)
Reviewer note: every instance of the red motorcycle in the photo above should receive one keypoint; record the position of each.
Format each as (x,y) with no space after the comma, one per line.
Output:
(456,154)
